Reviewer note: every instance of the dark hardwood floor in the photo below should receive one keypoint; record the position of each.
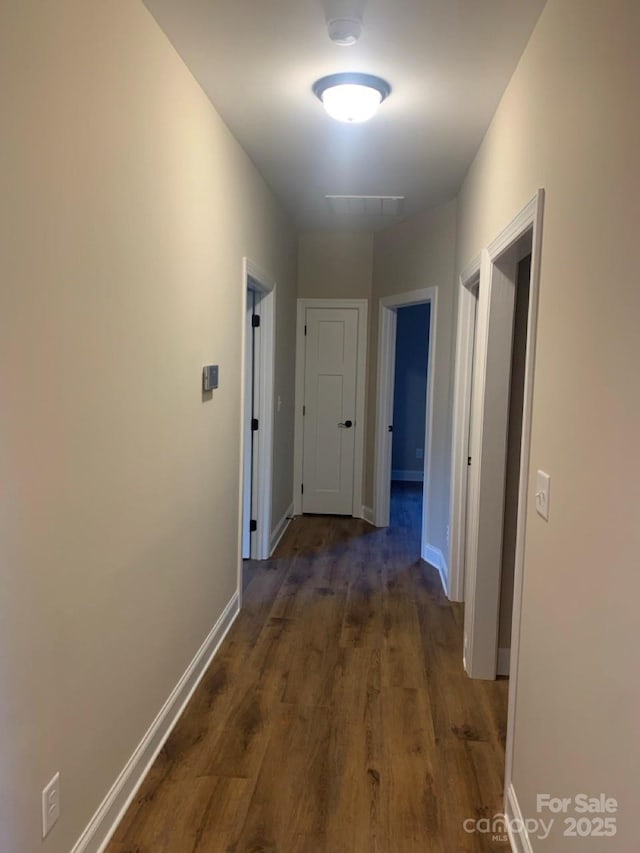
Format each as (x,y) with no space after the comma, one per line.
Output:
(336,716)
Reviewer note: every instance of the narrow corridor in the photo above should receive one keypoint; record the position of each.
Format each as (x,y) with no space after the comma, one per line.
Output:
(336,716)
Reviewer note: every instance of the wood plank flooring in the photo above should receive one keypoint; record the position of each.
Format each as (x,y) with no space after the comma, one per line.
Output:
(336,716)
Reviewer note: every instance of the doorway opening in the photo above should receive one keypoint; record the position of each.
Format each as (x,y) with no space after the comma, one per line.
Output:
(409,418)
(493,401)
(491,442)
(391,342)
(257,413)
(512,467)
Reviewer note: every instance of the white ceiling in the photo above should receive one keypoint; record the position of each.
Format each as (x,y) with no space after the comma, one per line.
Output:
(448,62)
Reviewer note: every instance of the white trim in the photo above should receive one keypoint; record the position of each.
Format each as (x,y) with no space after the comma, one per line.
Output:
(410,297)
(526,225)
(298,421)
(361,305)
(104,823)
(247,410)
(498,281)
(243,390)
(504,661)
(263,284)
(281,528)
(493,350)
(407,476)
(467,302)
(436,558)
(367,514)
(537,212)
(516,828)
(387,323)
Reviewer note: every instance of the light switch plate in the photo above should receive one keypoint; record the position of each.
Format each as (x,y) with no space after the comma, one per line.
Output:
(209,377)
(543,494)
(50,805)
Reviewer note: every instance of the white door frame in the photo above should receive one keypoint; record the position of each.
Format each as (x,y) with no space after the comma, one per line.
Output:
(467,306)
(256,279)
(498,280)
(247,454)
(387,323)
(532,215)
(361,305)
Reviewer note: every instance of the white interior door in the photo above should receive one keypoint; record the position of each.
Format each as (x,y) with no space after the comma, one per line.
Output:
(248,496)
(470,521)
(331,350)
(472,436)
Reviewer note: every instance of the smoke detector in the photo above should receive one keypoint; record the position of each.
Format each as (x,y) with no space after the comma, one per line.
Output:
(344,31)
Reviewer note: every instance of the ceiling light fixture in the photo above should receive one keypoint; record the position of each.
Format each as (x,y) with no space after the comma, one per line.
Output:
(351,97)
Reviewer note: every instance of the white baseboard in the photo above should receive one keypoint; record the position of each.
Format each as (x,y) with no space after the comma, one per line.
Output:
(367,514)
(408,476)
(504,661)
(435,557)
(105,821)
(518,835)
(280,529)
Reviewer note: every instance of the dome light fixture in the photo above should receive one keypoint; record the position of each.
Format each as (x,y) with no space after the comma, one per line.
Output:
(351,97)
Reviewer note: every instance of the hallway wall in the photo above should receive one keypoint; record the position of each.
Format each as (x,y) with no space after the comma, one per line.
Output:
(569,122)
(335,264)
(127,207)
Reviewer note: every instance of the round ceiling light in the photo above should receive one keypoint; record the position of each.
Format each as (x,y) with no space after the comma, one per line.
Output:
(351,97)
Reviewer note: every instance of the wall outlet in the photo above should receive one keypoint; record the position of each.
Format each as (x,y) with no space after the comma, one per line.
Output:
(50,805)
(419,453)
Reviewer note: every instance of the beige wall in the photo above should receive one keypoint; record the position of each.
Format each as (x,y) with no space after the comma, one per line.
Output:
(569,122)
(416,254)
(335,265)
(126,209)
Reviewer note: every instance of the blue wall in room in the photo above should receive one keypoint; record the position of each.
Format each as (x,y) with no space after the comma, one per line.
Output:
(410,392)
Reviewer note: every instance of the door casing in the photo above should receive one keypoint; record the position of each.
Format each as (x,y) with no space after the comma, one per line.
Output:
(248,502)
(256,279)
(481,577)
(387,322)
(465,339)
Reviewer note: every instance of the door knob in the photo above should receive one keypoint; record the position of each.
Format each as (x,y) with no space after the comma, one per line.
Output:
(346,424)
